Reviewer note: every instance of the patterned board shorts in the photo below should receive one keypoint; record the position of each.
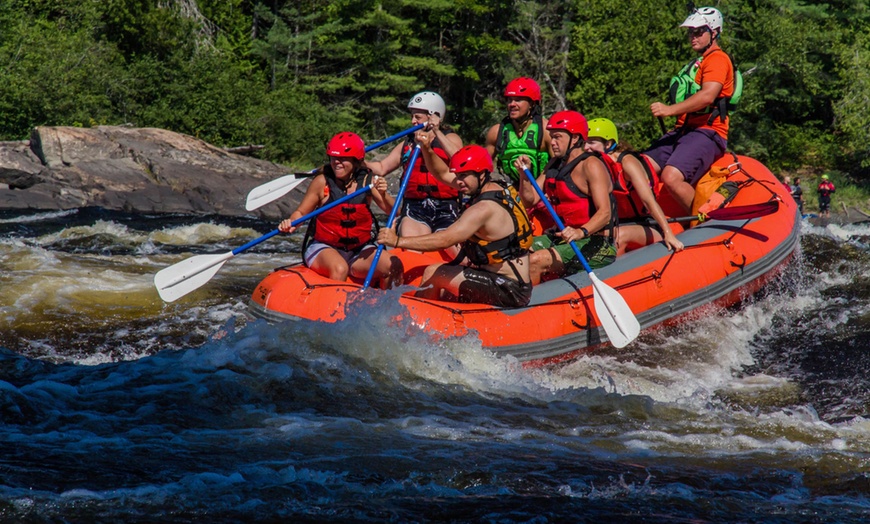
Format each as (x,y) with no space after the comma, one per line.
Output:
(596,249)
(436,213)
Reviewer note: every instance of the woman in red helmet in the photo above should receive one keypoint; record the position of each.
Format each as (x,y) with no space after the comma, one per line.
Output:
(578,184)
(493,229)
(340,242)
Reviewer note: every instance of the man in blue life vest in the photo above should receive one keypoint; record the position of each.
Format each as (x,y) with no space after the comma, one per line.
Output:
(700,95)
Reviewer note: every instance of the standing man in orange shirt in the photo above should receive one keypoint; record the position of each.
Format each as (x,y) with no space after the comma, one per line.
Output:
(699,97)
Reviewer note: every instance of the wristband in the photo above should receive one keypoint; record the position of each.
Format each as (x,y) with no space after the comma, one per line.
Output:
(397,243)
(585,232)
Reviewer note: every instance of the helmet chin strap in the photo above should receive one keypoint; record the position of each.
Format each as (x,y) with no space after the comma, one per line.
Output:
(712,39)
(487,176)
(577,145)
(528,115)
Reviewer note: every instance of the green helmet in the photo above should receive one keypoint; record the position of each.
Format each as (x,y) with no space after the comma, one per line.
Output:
(603,128)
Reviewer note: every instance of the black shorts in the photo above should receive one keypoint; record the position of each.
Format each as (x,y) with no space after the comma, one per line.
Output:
(824,203)
(486,287)
(436,213)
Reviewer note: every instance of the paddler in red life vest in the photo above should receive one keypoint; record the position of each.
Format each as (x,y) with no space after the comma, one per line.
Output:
(428,205)
(340,242)
(634,186)
(522,132)
(700,95)
(493,229)
(579,187)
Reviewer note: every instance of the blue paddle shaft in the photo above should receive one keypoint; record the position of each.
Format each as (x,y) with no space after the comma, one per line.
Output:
(395,137)
(301,219)
(392,218)
(556,218)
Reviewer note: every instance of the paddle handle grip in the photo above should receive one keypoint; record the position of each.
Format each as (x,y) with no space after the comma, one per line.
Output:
(303,218)
(393,212)
(556,218)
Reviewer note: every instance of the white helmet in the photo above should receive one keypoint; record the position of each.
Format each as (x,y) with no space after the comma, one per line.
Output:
(704,17)
(430,102)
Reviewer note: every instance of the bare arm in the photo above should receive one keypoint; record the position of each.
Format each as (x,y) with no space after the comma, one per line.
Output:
(467,225)
(433,162)
(314,197)
(450,143)
(527,192)
(547,143)
(491,140)
(384,200)
(599,186)
(389,164)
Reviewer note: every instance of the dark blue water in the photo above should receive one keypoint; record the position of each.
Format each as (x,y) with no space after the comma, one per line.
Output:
(116,407)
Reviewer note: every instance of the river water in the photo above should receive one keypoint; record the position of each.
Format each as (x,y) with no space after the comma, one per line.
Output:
(116,407)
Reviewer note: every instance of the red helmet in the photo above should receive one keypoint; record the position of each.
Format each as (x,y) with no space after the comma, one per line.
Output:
(570,121)
(471,158)
(346,144)
(523,87)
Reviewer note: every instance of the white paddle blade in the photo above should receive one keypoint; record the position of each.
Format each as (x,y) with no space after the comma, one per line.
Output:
(271,191)
(188,275)
(616,317)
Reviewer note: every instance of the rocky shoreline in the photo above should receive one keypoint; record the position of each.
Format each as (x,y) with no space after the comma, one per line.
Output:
(136,170)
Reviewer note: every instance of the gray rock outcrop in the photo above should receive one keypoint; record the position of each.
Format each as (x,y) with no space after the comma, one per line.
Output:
(139,170)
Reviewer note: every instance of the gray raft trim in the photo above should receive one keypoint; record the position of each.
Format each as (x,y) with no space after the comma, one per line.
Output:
(583,338)
(687,303)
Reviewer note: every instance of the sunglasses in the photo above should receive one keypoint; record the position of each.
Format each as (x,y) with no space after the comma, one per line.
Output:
(697,31)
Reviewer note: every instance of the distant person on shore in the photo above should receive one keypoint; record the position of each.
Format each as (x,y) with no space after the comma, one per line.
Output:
(786,181)
(826,189)
(798,193)
(700,94)
(340,242)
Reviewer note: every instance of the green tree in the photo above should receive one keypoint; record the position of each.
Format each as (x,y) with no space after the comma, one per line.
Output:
(621,61)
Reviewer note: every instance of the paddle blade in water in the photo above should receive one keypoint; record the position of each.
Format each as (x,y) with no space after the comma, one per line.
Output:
(271,191)
(188,275)
(616,317)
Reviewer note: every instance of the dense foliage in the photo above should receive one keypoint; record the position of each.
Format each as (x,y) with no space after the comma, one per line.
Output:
(288,74)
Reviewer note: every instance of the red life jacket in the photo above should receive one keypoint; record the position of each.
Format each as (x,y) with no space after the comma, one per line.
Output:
(573,206)
(628,202)
(423,184)
(350,225)
(826,188)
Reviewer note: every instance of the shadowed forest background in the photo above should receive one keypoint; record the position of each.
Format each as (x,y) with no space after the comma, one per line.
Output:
(289,74)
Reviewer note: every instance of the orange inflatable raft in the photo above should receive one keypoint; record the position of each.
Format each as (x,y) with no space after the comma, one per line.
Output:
(724,262)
